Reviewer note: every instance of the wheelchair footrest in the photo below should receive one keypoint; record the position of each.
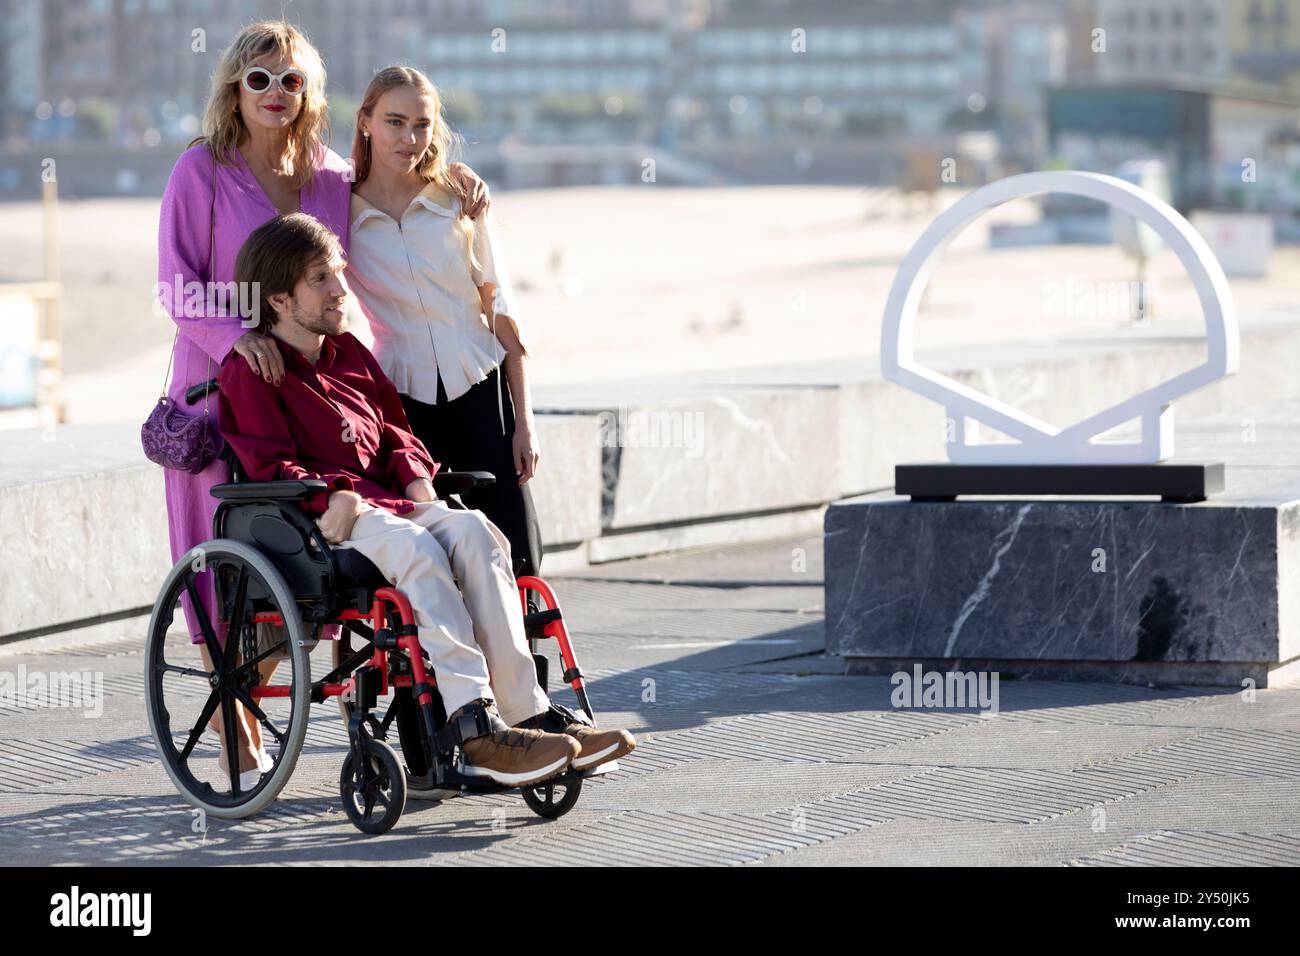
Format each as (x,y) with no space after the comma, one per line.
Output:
(453,778)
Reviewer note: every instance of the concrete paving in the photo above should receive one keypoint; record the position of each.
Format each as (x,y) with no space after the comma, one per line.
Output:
(753,749)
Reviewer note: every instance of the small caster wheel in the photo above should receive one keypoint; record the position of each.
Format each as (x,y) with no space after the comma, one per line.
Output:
(374,792)
(554,798)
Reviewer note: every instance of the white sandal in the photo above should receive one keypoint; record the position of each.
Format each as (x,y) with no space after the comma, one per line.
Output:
(247,779)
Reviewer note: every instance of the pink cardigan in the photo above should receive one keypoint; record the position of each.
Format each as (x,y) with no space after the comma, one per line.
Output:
(240,206)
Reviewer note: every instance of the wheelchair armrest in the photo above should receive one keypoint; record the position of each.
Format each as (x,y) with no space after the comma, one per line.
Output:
(454,482)
(269,490)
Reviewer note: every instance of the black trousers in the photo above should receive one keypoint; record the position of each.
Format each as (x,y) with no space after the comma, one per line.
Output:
(465,435)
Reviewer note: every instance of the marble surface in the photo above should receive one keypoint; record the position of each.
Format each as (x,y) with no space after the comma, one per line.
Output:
(1097,580)
(1053,580)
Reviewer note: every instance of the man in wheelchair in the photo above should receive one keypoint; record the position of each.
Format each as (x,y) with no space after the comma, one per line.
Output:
(333,415)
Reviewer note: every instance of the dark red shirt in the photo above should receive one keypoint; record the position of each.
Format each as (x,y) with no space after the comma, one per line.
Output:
(340,420)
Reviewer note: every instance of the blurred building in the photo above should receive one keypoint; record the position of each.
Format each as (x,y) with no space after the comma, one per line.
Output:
(774,90)
(1163,39)
(1226,146)
(20,59)
(1264,41)
(1013,52)
(678,66)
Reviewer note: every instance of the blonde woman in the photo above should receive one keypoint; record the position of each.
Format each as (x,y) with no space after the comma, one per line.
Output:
(427,271)
(428,274)
(264,151)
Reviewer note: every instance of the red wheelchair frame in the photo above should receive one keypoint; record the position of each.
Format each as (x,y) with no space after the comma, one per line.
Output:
(377,616)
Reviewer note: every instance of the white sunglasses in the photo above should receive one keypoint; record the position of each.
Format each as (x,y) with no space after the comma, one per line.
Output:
(258,79)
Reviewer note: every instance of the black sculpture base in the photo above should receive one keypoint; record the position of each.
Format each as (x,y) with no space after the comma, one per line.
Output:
(1172,481)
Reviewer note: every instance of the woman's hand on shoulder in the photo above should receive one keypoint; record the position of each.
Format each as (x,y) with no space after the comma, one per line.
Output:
(474,191)
(262,353)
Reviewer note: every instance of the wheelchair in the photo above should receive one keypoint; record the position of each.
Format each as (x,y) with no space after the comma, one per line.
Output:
(278,585)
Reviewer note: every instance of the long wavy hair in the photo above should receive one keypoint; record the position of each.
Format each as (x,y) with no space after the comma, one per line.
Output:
(445,145)
(223,128)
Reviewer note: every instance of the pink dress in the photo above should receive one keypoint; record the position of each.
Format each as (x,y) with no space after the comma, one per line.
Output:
(238,207)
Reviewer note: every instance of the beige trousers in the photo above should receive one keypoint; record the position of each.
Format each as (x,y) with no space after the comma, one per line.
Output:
(469,631)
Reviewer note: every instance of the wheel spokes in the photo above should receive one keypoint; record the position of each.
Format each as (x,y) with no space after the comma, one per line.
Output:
(205,625)
(177,669)
(232,738)
(204,716)
(236,626)
(247,700)
(252,662)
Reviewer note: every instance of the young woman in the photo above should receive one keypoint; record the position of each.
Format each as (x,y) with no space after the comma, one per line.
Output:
(263,152)
(428,274)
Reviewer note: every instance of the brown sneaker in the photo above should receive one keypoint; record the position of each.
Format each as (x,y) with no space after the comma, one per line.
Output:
(598,746)
(516,757)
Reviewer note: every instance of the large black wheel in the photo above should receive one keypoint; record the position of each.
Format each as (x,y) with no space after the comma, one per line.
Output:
(554,798)
(373,787)
(197,695)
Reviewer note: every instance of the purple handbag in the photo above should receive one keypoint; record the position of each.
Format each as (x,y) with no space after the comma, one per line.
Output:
(174,439)
(170,436)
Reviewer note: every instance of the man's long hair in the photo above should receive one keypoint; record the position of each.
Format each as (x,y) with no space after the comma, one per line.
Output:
(277,254)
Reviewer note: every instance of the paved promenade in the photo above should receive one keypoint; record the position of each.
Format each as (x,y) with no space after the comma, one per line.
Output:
(753,750)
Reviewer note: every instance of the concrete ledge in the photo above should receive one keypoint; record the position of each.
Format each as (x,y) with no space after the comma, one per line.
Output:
(566,490)
(793,436)
(88,540)
(625,471)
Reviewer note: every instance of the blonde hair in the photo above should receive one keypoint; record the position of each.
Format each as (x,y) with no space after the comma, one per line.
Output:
(434,165)
(223,127)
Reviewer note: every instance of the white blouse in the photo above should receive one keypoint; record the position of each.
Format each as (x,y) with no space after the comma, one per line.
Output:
(417,287)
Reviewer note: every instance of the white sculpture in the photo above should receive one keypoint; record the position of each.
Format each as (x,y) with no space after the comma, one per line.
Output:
(1036,441)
